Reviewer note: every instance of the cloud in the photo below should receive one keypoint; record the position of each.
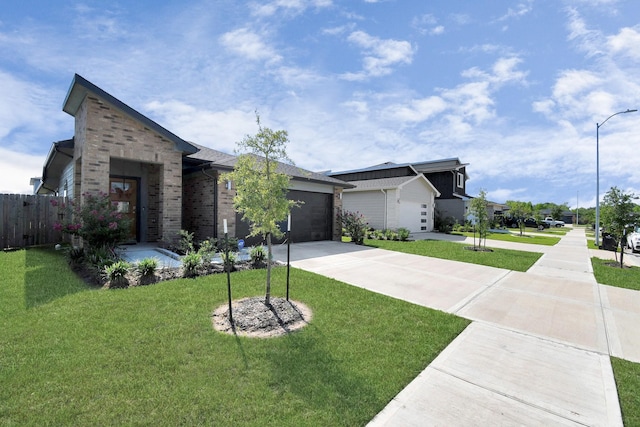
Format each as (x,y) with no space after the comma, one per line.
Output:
(17,169)
(427,24)
(249,45)
(626,43)
(379,56)
(519,11)
(286,7)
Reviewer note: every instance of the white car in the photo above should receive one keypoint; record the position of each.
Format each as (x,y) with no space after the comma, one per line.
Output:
(633,240)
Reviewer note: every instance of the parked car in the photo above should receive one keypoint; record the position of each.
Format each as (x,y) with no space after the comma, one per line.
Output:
(553,222)
(633,240)
(528,222)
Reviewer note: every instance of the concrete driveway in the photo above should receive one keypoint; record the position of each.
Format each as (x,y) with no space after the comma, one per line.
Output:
(537,352)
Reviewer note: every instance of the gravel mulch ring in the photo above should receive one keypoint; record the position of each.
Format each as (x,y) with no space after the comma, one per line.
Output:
(253,318)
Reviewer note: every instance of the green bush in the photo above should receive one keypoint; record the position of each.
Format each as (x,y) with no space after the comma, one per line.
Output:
(403,234)
(147,266)
(355,225)
(258,255)
(185,242)
(206,250)
(229,259)
(117,274)
(190,263)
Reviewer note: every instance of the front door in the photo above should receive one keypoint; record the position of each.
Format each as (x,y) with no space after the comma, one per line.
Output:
(123,193)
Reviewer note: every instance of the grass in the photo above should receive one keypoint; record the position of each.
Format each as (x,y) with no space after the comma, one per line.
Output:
(516,237)
(501,258)
(627,277)
(628,383)
(74,355)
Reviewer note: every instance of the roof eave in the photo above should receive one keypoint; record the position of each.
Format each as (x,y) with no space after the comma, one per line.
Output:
(78,92)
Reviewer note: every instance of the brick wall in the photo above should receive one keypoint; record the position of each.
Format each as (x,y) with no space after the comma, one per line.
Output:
(337,207)
(102,133)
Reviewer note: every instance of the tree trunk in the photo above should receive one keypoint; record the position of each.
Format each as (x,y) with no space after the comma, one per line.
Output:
(267,298)
(621,251)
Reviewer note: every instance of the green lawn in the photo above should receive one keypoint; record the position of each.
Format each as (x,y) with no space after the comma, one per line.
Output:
(501,258)
(516,237)
(75,355)
(627,277)
(628,383)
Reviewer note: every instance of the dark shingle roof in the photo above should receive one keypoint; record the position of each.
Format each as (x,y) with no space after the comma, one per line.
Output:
(220,160)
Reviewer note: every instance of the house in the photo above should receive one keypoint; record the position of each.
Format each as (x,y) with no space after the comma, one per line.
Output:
(443,193)
(162,182)
(391,196)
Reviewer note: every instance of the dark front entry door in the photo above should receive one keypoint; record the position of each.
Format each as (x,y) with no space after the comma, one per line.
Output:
(123,193)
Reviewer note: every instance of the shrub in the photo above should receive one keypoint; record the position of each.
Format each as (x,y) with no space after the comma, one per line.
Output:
(117,274)
(146,270)
(229,259)
(354,224)
(147,266)
(258,255)
(75,256)
(206,250)
(390,235)
(403,234)
(97,221)
(185,242)
(190,263)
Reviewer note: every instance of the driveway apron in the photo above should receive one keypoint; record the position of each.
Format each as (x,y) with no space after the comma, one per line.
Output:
(537,352)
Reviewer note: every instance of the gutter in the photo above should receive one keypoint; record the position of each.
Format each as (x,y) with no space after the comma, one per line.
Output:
(384,219)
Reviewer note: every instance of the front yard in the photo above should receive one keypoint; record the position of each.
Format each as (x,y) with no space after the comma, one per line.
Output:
(75,355)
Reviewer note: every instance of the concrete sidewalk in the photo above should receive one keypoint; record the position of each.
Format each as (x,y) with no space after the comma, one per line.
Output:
(537,352)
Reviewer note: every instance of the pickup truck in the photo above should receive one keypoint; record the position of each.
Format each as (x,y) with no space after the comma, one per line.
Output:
(552,222)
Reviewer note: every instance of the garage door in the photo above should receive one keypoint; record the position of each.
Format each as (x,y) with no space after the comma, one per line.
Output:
(309,222)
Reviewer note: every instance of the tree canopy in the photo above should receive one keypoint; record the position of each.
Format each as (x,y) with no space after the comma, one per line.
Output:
(261,189)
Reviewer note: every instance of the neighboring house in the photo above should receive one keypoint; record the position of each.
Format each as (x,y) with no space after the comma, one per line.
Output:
(445,196)
(450,177)
(162,182)
(391,196)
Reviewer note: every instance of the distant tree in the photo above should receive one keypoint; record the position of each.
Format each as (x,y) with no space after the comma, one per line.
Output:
(480,216)
(261,190)
(520,211)
(557,211)
(619,214)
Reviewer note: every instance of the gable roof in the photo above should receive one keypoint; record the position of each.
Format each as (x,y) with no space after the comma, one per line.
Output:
(214,159)
(60,155)
(79,89)
(389,184)
(430,166)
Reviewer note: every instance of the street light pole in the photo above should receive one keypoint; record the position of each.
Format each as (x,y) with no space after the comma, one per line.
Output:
(598,126)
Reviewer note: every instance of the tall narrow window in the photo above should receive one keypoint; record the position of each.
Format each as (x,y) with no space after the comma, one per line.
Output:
(460,180)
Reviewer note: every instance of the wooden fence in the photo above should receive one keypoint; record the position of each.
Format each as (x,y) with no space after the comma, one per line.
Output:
(27,220)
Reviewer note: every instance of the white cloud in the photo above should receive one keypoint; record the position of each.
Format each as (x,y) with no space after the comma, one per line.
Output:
(520,10)
(17,169)
(286,7)
(379,55)
(249,45)
(626,43)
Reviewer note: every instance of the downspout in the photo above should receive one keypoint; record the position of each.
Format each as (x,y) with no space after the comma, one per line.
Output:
(215,203)
(384,218)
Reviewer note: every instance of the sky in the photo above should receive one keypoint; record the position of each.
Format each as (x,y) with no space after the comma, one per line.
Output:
(515,89)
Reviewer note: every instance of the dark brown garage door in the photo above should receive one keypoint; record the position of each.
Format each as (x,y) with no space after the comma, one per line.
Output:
(309,222)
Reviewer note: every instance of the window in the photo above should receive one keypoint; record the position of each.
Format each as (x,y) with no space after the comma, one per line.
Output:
(423,213)
(424,206)
(460,180)
(423,220)
(423,228)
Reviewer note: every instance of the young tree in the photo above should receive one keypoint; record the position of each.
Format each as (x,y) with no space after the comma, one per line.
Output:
(478,210)
(261,190)
(619,214)
(520,210)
